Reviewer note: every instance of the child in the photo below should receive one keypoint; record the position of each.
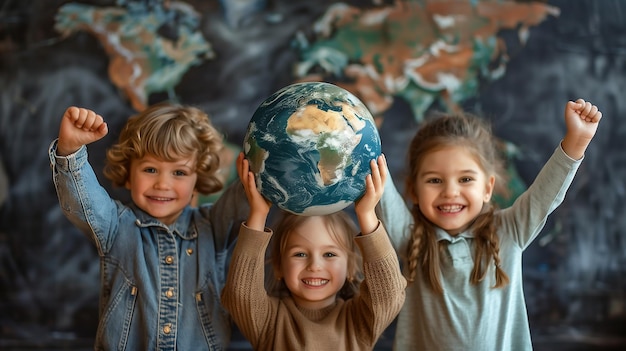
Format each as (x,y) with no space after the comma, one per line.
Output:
(162,261)
(316,258)
(463,258)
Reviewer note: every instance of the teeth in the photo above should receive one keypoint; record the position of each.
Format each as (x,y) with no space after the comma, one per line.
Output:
(161,198)
(315,282)
(451,208)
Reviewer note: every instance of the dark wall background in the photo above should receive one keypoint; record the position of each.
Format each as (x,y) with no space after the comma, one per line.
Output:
(575,279)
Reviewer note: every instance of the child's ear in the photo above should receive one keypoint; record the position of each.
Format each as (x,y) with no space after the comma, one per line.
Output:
(489,186)
(278,274)
(127,184)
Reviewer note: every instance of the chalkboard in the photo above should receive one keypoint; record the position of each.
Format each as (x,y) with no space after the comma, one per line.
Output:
(575,281)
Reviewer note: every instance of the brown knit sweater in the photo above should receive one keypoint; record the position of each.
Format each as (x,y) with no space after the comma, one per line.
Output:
(271,323)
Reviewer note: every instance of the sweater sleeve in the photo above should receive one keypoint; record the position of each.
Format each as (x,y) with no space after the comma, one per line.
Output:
(382,292)
(244,294)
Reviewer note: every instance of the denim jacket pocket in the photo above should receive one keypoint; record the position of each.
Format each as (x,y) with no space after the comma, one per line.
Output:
(116,320)
(208,311)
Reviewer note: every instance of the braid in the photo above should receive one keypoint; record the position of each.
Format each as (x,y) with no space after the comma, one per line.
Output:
(502,279)
(487,245)
(414,247)
(423,251)
(413,256)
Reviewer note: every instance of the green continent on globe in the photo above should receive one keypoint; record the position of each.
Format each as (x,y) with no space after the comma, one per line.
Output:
(255,155)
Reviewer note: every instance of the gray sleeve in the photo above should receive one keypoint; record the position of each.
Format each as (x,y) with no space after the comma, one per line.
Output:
(395,216)
(525,219)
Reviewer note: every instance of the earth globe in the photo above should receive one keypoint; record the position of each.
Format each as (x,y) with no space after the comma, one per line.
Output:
(309,146)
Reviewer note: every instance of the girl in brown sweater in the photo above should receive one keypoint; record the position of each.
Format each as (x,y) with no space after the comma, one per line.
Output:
(327,306)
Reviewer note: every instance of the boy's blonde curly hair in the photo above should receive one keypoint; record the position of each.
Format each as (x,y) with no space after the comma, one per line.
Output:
(168,132)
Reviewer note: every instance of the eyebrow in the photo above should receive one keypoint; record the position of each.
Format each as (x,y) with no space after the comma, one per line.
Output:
(325,247)
(463,171)
(154,161)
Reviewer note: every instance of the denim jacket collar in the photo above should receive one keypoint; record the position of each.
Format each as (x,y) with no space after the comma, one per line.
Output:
(180,227)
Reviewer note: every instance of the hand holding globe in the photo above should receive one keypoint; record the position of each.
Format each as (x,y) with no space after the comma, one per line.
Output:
(309,146)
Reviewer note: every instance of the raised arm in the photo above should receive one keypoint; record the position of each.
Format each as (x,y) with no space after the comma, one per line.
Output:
(526,218)
(83,200)
(382,292)
(244,294)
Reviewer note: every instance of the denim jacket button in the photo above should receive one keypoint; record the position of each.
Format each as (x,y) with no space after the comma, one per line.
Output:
(167,329)
(169,259)
(169,293)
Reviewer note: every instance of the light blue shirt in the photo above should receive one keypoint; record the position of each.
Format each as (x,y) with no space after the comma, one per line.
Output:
(160,285)
(476,317)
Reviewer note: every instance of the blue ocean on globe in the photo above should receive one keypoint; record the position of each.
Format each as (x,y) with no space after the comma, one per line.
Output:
(310,145)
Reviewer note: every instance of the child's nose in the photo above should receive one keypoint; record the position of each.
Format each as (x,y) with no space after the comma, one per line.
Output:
(451,190)
(314,265)
(162,182)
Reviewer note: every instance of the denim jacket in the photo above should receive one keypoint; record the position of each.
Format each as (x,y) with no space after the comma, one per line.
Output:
(160,285)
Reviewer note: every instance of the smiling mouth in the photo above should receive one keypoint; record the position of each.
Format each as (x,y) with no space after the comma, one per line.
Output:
(160,198)
(450,208)
(315,282)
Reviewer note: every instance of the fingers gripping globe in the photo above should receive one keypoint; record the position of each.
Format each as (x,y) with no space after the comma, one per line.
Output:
(309,146)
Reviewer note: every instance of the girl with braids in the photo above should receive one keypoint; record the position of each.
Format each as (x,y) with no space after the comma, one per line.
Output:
(462,256)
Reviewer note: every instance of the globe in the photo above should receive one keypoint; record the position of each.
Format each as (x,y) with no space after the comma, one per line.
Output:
(309,146)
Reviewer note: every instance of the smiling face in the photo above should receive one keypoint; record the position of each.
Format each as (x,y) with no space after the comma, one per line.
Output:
(451,188)
(162,188)
(313,265)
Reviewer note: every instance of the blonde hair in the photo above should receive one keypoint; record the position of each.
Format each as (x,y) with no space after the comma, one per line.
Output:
(168,132)
(342,229)
(473,134)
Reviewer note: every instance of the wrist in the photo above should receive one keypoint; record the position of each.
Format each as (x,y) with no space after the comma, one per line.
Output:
(64,150)
(256,221)
(368,222)
(575,147)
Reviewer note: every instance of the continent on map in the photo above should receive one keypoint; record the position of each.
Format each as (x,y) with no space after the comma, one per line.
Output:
(142,59)
(424,51)
(331,135)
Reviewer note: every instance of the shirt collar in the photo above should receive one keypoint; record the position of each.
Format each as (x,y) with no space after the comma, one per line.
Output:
(181,227)
(443,235)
